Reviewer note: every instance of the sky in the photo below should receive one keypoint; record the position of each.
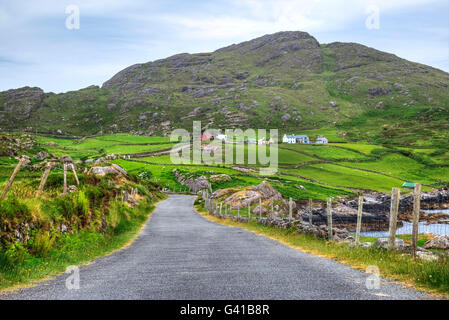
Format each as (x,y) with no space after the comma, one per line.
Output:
(42,45)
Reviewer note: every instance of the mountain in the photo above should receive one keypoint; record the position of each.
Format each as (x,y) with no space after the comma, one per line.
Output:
(286,80)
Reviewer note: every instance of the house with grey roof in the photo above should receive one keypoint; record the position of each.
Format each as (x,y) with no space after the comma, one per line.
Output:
(321,139)
(295,138)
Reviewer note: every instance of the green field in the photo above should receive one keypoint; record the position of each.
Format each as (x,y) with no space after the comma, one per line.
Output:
(305,170)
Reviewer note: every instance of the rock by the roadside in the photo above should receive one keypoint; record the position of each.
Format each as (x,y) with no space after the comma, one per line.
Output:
(439,242)
(66,159)
(102,171)
(383,243)
(119,169)
(220,177)
(195,184)
(41,155)
(427,256)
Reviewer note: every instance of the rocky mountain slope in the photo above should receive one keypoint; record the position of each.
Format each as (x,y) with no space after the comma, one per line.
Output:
(285,80)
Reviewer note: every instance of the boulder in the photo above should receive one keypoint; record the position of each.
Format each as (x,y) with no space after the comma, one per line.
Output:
(427,256)
(383,244)
(66,159)
(119,169)
(102,171)
(195,184)
(439,242)
(220,177)
(41,155)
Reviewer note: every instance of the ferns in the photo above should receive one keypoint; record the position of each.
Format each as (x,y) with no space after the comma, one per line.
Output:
(43,242)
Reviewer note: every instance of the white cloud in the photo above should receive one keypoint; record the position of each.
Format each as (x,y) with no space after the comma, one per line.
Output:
(259,17)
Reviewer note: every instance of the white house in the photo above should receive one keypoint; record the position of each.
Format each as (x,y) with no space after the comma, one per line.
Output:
(295,139)
(221,137)
(265,141)
(321,139)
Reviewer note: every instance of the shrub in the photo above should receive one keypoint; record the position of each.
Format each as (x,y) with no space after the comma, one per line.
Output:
(81,204)
(14,209)
(42,243)
(13,257)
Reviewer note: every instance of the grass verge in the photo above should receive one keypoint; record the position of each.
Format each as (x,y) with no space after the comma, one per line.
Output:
(432,277)
(75,249)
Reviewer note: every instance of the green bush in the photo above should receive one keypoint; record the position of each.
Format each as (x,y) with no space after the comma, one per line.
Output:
(13,209)
(42,243)
(13,257)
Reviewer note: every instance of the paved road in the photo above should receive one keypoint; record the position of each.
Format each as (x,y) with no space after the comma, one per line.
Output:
(181,255)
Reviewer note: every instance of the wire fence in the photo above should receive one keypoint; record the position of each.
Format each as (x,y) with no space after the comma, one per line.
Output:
(367,224)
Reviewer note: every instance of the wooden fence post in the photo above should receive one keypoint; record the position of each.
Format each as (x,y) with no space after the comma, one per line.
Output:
(74,173)
(290,209)
(310,212)
(394,209)
(11,179)
(359,220)
(44,179)
(65,178)
(249,211)
(416,211)
(329,218)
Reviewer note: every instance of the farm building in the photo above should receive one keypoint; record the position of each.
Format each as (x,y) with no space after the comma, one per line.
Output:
(221,137)
(321,139)
(295,139)
(409,185)
(205,137)
(265,141)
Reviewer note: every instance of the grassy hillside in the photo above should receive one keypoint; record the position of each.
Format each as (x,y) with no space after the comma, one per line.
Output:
(285,80)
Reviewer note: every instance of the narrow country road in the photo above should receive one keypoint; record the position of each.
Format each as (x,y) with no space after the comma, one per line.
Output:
(181,255)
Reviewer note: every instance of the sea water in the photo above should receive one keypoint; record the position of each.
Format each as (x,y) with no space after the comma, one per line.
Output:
(441,229)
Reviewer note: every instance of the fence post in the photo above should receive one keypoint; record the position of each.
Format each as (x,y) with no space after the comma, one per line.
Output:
(359,219)
(11,179)
(249,211)
(394,209)
(74,173)
(329,218)
(221,206)
(416,211)
(310,212)
(65,178)
(290,209)
(44,178)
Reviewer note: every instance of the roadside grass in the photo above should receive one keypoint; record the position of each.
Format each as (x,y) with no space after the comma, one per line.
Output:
(430,276)
(73,249)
